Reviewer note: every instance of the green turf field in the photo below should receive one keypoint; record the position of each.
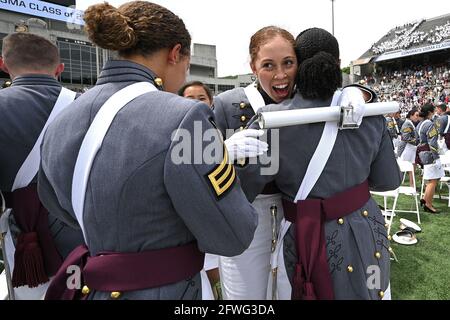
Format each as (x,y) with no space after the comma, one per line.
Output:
(423,269)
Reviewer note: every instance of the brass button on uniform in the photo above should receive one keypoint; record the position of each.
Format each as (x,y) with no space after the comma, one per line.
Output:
(377,255)
(242,105)
(366,213)
(381,294)
(350,268)
(341,221)
(389,237)
(243,118)
(85,290)
(115,294)
(158,81)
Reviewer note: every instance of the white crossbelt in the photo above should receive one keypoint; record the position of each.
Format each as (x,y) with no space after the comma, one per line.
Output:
(254,97)
(30,167)
(448,125)
(93,140)
(421,126)
(313,172)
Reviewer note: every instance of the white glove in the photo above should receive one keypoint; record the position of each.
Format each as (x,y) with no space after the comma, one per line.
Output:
(353,96)
(244,144)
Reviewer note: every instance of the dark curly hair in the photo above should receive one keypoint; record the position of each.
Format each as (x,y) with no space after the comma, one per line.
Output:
(136,27)
(319,73)
(426,109)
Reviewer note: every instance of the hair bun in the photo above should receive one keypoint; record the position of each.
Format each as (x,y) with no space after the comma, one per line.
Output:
(319,76)
(109,28)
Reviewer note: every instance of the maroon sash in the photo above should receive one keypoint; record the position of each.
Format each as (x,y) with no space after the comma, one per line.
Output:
(447,140)
(36,256)
(113,271)
(312,279)
(420,148)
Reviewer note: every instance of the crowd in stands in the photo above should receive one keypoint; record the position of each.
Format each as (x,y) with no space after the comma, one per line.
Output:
(412,87)
(408,35)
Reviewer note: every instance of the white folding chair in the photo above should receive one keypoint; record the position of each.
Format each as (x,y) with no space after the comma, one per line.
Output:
(445,161)
(389,213)
(406,167)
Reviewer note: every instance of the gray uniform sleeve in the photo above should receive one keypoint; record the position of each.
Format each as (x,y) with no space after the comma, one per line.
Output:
(409,134)
(208,197)
(384,171)
(50,201)
(220,115)
(391,127)
(442,124)
(251,174)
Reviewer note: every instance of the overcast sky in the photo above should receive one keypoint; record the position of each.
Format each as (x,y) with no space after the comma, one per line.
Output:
(229,24)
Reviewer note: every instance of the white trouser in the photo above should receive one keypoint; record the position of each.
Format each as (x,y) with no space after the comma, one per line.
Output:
(211,262)
(207,293)
(244,277)
(24,292)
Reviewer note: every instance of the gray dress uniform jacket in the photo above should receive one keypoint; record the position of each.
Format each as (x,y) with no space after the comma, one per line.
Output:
(408,135)
(392,128)
(428,133)
(24,110)
(358,155)
(137,198)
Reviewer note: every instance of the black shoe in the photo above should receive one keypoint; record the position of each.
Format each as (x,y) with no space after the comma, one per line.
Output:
(422,202)
(426,209)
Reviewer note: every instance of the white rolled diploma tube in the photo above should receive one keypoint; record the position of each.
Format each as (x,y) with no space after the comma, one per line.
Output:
(285,118)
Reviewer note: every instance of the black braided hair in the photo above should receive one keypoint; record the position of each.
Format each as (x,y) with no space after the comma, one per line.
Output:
(319,73)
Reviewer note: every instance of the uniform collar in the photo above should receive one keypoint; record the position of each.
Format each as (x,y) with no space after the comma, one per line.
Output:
(35,79)
(267,99)
(124,71)
(302,103)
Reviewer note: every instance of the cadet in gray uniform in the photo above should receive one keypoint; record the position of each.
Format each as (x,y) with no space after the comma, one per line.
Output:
(444,125)
(33,63)
(407,148)
(408,134)
(146,219)
(274,63)
(344,240)
(428,155)
(393,128)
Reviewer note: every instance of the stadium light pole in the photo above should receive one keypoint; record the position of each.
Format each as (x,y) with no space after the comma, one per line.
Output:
(332,16)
